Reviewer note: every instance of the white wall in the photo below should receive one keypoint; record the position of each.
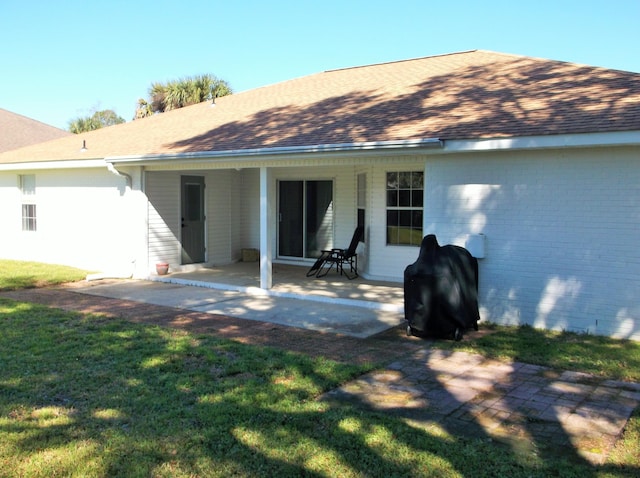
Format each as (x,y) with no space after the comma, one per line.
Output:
(84,219)
(163,193)
(220,206)
(10,213)
(249,202)
(223,207)
(562,233)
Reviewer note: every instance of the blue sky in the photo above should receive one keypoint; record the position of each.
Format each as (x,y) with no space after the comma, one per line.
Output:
(61,60)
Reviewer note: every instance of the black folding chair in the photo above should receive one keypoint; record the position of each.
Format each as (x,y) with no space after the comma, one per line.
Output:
(317,265)
(341,257)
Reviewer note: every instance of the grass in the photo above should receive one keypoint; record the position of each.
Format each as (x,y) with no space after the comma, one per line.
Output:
(20,275)
(87,396)
(83,395)
(594,354)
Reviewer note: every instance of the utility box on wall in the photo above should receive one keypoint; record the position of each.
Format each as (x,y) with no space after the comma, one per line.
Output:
(476,245)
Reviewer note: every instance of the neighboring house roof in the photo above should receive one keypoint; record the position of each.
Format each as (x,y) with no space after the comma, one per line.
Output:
(17,131)
(468,95)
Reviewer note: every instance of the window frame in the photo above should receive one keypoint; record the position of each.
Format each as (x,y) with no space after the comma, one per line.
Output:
(404,207)
(28,204)
(361,202)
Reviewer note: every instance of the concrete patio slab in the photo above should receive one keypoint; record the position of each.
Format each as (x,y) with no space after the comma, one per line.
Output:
(321,316)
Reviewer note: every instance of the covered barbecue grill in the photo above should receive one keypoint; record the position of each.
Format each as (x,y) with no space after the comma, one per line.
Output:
(441,291)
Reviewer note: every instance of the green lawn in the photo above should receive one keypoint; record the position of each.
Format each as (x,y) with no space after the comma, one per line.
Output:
(20,274)
(594,354)
(88,396)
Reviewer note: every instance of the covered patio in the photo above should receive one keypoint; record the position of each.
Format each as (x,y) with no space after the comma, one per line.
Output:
(290,281)
(331,304)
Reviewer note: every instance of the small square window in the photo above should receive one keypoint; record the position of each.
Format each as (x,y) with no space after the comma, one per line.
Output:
(28,217)
(404,180)
(392,180)
(27,184)
(392,198)
(416,197)
(417,180)
(404,198)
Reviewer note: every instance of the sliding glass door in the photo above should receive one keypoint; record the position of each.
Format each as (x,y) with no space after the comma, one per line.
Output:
(291,216)
(305,214)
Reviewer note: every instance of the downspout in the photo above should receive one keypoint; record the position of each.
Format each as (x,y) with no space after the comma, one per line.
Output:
(115,274)
(112,169)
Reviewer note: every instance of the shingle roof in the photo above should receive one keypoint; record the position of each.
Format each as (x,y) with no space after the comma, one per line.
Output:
(468,95)
(17,131)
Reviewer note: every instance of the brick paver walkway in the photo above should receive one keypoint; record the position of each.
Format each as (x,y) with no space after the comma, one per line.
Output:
(469,395)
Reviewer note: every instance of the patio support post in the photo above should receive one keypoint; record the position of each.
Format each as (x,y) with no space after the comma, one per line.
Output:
(266,254)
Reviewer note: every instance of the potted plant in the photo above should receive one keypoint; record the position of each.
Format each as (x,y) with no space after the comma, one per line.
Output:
(162,268)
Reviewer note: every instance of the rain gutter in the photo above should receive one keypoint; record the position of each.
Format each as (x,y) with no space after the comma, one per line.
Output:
(127,177)
(340,148)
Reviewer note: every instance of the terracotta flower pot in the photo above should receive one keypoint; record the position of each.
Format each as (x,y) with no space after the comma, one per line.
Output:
(162,268)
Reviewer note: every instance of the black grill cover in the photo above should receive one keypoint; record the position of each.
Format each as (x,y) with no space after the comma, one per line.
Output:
(441,291)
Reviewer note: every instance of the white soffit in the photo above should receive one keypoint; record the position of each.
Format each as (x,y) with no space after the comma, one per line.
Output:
(288,152)
(66,164)
(617,138)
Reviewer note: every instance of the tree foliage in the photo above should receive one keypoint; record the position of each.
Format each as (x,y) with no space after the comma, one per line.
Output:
(98,120)
(176,94)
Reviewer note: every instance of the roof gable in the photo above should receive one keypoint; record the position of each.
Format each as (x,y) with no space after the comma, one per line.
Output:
(18,131)
(469,95)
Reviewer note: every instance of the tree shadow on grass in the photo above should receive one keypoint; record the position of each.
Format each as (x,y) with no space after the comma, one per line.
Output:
(536,412)
(140,400)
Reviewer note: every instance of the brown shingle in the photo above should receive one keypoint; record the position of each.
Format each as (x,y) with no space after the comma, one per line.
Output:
(467,95)
(17,131)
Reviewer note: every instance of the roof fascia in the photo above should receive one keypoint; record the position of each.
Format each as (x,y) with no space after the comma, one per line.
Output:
(288,152)
(582,140)
(64,164)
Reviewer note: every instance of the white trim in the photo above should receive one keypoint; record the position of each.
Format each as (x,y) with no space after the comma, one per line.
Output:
(285,150)
(617,138)
(434,145)
(344,150)
(64,164)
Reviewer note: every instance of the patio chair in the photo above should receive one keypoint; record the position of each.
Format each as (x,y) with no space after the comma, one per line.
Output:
(317,265)
(342,257)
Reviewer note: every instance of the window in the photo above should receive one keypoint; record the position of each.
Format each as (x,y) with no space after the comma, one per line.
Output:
(362,200)
(28,191)
(405,192)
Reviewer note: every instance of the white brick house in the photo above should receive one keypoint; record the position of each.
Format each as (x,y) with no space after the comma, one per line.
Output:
(535,161)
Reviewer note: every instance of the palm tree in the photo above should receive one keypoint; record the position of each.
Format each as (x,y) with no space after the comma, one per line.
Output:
(98,120)
(143,110)
(184,92)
